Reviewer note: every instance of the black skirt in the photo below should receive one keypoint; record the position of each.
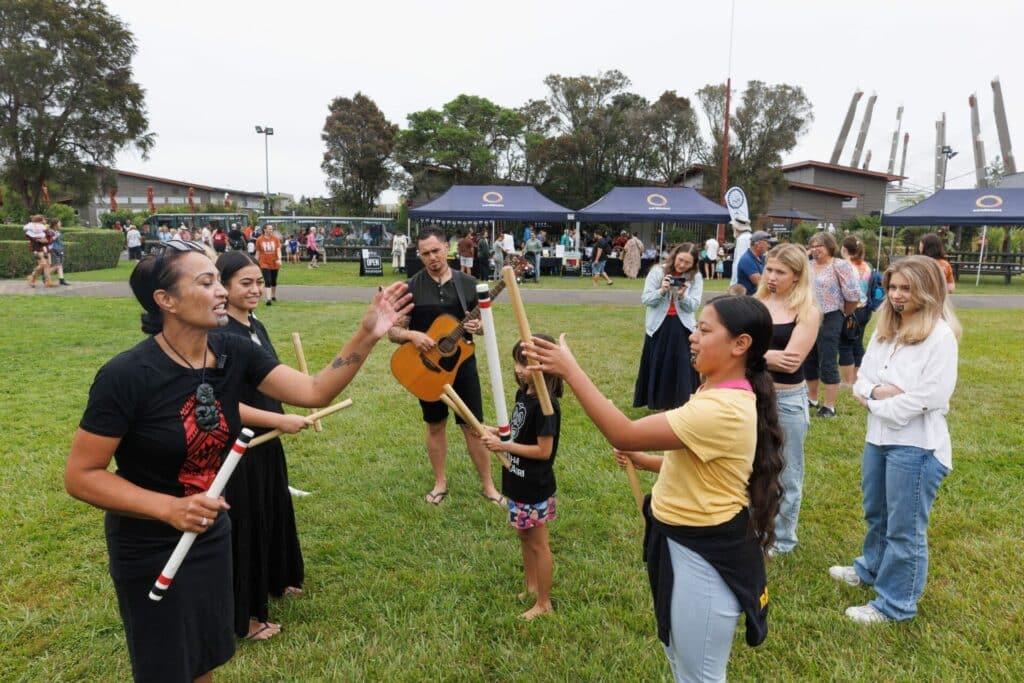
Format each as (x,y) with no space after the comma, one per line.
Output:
(666,378)
(188,633)
(264,540)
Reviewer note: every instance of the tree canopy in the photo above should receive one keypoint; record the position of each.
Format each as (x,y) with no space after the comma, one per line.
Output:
(360,141)
(68,102)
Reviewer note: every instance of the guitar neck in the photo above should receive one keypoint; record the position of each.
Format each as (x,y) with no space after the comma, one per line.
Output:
(474,313)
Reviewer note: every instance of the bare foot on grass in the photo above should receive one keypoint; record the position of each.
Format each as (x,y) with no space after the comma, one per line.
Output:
(536,611)
(526,595)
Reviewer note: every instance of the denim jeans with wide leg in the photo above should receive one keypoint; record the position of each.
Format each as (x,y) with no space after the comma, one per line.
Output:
(899,485)
(794,420)
(704,618)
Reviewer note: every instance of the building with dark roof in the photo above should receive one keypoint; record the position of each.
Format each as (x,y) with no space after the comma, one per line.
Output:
(833,193)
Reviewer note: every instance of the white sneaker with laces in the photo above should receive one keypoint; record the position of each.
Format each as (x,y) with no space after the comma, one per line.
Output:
(845,574)
(866,614)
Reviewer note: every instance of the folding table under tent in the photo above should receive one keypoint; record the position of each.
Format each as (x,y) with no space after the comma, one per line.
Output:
(653,205)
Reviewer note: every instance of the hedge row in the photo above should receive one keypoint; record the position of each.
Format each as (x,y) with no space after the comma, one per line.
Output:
(84,248)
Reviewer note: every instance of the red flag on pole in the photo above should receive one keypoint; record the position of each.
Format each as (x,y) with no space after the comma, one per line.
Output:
(149,198)
(46,193)
(191,200)
(113,199)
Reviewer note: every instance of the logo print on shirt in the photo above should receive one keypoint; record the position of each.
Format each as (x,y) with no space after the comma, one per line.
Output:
(204,450)
(518,418)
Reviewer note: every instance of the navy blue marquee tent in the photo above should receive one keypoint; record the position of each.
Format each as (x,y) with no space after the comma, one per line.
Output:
(989,206)
(654,205)
(493,202)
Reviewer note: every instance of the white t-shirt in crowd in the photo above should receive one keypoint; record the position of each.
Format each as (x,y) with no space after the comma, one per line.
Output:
(133,237)
(711,249)
(742,245)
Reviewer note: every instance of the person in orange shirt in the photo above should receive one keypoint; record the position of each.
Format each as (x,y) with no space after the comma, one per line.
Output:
(268,252)
(931,245)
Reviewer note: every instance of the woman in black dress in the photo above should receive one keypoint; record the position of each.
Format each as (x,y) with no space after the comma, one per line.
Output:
(166,411)
(264,541)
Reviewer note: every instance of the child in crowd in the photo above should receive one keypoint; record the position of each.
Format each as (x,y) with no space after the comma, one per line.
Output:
(293,249)
(529,484)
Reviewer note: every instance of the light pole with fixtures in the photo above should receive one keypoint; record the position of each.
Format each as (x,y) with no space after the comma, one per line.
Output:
(266,131)
(947,153)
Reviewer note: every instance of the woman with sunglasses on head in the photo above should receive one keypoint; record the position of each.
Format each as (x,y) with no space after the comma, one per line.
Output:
(712,511)
(905,382)
(166,410)
(785,289)
(265,549)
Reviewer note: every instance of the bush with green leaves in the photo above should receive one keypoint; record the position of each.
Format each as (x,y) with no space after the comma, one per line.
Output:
(85,249)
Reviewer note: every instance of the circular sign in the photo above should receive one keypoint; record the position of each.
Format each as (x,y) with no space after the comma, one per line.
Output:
(493,197)
(657,199)
(988,201)
(734,198)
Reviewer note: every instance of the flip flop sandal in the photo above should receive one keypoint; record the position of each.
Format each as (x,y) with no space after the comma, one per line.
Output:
(436,498)
(265,632)
(499,500)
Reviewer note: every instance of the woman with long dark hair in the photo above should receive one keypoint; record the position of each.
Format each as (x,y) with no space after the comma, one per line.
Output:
(166,411)
(265,549)
(905,383)
(672,294)
(851,349)
(711,514)
(931,246)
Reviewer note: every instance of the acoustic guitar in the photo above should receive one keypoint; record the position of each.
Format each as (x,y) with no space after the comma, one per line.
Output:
(425,373)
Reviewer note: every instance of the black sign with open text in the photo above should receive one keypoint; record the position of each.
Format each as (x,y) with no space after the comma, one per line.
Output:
(370,263)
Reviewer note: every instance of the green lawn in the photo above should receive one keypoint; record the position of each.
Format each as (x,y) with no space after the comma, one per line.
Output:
(347,274)
(399,590)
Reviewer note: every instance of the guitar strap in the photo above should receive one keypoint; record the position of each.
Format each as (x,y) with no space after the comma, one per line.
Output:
(460,281)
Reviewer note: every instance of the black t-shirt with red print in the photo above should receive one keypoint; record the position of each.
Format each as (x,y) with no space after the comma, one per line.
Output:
(146,399)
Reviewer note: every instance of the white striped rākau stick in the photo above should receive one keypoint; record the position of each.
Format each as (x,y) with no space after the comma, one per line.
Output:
(509,275)
(494,362)
(301,356)
(453,401)
(163,582)
(315,415)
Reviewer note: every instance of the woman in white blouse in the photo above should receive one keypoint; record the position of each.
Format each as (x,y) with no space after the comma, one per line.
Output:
(905,382)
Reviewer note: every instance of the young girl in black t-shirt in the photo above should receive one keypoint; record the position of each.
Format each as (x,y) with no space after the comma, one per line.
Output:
(529,484)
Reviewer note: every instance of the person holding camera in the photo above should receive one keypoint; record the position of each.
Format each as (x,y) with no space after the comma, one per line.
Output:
(672,294)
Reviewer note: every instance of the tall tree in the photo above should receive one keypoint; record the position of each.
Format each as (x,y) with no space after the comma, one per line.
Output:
(359,142)
(767,123)
(68,103)
(469,141)
(674,134)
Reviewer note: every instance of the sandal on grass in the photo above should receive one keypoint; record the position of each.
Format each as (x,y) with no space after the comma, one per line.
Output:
(264,631)
(436,497)
(292,590)
(499,500)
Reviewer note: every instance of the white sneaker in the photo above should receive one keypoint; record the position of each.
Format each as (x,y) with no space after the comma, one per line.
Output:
(845,574)
(866,614)
(298,493)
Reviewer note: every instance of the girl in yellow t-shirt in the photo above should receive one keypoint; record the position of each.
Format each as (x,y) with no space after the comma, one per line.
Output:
(712,512)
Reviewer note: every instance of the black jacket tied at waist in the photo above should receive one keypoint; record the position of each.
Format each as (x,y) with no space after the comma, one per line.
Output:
(728,548)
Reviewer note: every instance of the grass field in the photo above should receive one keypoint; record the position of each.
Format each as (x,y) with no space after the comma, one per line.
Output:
(347,274)
(399,590)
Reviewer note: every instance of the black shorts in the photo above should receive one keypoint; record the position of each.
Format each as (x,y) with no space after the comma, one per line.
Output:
(269,277)
(467,386)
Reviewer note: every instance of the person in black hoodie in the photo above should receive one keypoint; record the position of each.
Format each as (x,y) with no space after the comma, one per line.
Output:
(711,514)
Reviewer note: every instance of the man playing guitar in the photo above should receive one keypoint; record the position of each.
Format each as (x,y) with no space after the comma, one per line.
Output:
(437,290)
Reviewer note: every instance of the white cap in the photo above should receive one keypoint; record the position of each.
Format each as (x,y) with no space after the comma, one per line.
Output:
(739,224)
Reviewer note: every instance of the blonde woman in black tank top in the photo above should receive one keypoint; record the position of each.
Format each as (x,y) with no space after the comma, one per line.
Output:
(785,289)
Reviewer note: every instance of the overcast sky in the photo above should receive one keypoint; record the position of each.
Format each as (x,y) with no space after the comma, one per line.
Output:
(214,70)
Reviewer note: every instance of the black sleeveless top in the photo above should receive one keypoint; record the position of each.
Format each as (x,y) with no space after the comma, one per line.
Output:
(781,334)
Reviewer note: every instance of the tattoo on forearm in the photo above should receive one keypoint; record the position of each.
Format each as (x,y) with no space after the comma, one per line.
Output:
(352,359)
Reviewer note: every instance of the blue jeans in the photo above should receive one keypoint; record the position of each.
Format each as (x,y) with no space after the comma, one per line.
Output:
(704,618)
(899,485)
(794,420)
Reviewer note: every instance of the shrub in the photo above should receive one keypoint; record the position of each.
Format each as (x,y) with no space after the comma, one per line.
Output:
(86,249)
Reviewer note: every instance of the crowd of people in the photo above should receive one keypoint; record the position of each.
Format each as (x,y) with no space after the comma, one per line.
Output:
(729,384)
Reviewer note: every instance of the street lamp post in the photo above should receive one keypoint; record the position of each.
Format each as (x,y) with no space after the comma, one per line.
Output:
(266,131)
(947,153)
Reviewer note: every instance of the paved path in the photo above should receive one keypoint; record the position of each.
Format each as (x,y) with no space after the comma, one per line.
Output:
(531,294)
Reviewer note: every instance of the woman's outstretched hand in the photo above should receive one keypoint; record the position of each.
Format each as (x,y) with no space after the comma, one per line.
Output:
(553,359)
(388,307)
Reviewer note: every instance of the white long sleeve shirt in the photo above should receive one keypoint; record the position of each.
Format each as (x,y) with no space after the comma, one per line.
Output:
(926,372)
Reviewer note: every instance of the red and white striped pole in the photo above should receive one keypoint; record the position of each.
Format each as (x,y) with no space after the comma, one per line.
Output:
(493,362)
(163,582)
